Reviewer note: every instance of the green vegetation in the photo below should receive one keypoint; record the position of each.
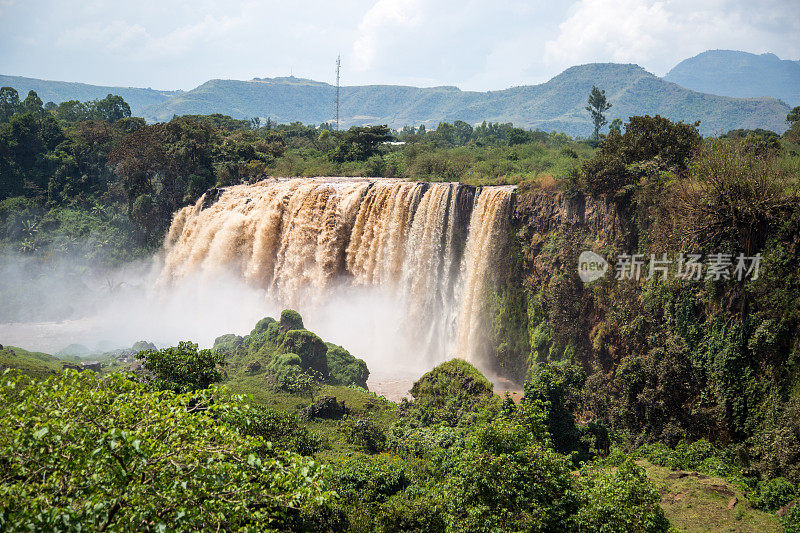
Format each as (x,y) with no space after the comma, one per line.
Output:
(87,453)
(626,382)
(290,357)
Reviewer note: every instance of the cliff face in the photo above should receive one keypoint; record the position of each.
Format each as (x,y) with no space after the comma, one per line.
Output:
(541,211)
(663,359)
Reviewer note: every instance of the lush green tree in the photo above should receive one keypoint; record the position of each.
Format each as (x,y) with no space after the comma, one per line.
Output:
(359,143)
(558,386)
(597,106)
(183,368)
(84,453)
(9,103)
(617,167)
(72,111)
(507,481)
(793,116)
(616,126)
(111,108)
(33,104)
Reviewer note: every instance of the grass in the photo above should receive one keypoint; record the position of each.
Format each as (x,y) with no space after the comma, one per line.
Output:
(36,364)
(361,404)
(697,503)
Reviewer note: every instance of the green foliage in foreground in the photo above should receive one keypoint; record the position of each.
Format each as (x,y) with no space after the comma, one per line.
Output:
(86,453)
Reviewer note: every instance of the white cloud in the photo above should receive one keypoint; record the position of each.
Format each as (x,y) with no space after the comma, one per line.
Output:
(474,44)
(658,34)
(619,31)
(385,17)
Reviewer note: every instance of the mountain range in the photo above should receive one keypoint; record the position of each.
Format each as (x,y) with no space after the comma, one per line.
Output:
(721,101)
(739,74)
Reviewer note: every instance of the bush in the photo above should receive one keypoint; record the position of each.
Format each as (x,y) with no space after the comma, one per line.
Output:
(414,509)
(131,459)
(620,500)
(525,490)
(290,320)
(183,368)
(370,478)
(774,494)
(449,391)
(791,520)
(367,435)
(281,429)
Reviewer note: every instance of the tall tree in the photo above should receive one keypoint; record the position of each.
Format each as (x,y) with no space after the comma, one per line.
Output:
(33,104)
(9,103)
(112,108)
(597,106)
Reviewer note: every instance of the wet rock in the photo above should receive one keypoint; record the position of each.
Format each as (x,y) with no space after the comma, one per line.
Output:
(211,197)
(732,502)
(325,407)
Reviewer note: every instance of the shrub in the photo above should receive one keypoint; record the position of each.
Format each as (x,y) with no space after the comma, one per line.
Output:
(290,320)
(281,429)
(83,453)
(791,520)
(183,368)
(370,478)
(774,494)
(367,435)
(525,490)
(620,500)
(228,344)
(449,391)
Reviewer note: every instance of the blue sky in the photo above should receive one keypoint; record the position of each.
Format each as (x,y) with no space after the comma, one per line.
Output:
(476,45)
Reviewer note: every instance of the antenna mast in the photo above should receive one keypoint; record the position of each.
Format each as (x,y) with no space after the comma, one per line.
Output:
(338,66)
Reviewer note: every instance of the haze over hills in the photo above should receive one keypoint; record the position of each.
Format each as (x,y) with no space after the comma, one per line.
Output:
(61,91)
(739,74)
(557,105)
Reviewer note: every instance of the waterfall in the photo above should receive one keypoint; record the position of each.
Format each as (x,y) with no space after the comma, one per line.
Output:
(427,251)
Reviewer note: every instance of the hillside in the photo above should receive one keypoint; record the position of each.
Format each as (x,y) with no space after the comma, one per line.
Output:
(555,105)
(739,74)
(61,91)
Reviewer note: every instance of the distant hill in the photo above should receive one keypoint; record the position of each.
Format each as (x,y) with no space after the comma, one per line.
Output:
(739,74)
(555,105)
(61,91)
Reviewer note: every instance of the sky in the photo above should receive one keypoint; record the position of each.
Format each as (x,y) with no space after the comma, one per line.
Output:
(475,45)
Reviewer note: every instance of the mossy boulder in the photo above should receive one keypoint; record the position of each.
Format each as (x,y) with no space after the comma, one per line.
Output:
(283,367)
(344,368)
(325,407)
(264,337)
(450,391)
(262,325)
(291,320)
(140,346)
(310,348)
(227,344)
